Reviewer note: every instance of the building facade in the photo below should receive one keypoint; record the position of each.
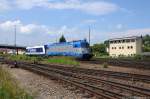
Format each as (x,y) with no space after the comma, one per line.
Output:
(10,49)
(127,46)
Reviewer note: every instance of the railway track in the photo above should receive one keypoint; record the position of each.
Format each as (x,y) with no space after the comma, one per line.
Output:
(100,85)
(99,73)
(98,92)
(90,82)
(103,73)
(121,62)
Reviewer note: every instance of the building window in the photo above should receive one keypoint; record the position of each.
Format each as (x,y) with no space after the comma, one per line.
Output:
(119,47)
(131,47)
(111,42)
(128,47)
(133,40)
(127,40)
(122,47)
(112,47)
(123,41)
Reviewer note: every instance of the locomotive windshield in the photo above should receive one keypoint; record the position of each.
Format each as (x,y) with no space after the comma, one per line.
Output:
(85,45)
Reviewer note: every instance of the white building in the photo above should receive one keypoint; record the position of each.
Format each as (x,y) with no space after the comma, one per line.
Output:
(127,46)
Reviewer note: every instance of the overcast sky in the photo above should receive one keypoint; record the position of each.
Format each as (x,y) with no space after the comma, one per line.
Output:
(44,21)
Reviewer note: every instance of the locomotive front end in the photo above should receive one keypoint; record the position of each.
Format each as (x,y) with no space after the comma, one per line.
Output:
(86,51)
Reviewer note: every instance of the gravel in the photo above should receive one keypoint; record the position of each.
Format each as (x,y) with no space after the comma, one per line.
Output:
(42,87)
(115,68)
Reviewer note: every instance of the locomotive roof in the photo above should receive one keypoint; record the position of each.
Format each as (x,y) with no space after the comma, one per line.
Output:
(35,47)
(71,42)
(62,43)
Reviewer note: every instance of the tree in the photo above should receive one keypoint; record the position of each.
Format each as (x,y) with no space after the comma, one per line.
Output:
(106,43)
(99,49)
(62,39)
(146,43)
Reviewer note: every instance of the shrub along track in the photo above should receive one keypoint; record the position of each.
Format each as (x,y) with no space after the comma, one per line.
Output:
(86,80)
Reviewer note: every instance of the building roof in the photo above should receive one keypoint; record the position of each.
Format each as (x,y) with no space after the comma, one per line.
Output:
(124,38)
(11,46)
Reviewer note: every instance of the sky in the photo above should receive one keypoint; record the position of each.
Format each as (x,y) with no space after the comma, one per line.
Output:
(41,22)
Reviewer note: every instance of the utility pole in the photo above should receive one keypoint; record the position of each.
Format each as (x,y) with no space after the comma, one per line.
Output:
(56,39)
(89,35)
(15,40)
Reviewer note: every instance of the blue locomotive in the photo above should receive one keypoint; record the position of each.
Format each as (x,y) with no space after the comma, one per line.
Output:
(78,49)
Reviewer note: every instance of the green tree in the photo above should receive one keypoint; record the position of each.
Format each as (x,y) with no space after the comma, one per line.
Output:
(106,43)
(62,39)
(99,49)
(146,43)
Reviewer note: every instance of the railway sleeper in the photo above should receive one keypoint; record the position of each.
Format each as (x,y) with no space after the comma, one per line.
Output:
(71,75)
(77,85)
(57,72)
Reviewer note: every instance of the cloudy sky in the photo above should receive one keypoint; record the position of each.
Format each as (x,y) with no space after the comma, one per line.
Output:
(44,21)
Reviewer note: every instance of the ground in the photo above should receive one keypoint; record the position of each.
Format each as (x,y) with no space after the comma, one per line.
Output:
(112,68)
(44,88)
(41,87)
(116,68)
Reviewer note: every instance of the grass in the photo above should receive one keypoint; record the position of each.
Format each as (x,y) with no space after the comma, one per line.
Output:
(24,58)
(62,60)
(9,88)
(55,59)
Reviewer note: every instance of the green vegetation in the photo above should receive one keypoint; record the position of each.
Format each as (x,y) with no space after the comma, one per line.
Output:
(36,59)
(24,58)
(138,57)
(62,60)
(146,43)
(99,50)
(105,65)
(62,39)
(9,88)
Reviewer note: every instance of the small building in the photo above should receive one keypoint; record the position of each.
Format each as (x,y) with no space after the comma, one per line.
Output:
(10,49)
(127,46)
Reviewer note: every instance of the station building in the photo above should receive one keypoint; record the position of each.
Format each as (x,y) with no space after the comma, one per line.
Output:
(10,49)
(127,46)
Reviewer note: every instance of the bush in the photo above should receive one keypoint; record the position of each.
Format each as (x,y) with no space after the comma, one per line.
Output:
(39,59)
(105,65)
(138,57)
